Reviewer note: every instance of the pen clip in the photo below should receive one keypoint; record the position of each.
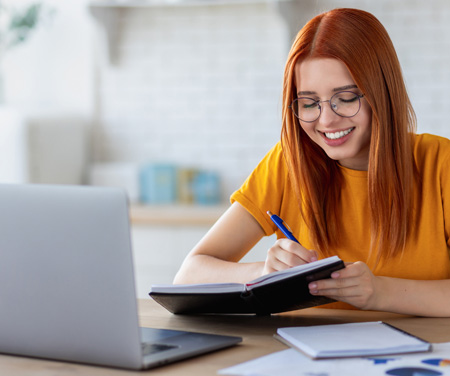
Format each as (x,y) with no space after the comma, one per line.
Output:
(286,225)
(283,226)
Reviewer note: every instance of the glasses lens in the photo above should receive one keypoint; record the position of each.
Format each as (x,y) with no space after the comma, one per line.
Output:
(345,103)
(306,109)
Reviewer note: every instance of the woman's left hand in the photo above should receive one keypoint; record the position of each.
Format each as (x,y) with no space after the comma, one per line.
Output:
(355,284)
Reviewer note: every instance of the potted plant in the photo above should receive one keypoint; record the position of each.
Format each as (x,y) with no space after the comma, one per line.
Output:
(16,26)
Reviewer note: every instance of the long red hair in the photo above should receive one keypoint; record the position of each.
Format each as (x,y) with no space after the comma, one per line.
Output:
(360,41)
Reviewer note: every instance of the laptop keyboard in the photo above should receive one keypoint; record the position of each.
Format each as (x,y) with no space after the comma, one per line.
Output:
(153,348)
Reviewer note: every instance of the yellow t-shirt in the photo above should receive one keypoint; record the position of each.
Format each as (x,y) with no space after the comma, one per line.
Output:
(427,252)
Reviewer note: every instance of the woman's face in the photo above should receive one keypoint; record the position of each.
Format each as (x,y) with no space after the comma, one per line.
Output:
(346,140)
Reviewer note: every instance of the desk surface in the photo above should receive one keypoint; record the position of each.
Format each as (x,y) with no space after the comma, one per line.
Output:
(257,333)
(176,215)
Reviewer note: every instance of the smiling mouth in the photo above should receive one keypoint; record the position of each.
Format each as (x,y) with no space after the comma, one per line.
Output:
(337,135)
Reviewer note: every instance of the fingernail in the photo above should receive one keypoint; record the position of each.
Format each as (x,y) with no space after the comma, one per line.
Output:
(312,286)
(313,258)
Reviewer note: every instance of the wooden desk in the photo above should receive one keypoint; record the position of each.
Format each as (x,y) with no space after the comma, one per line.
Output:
(176,215)
(257,333)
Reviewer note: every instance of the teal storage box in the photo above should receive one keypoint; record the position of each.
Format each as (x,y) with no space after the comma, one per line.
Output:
(158,183)
(206,188)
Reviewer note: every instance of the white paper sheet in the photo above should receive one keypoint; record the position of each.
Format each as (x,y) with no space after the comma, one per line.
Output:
(291,362)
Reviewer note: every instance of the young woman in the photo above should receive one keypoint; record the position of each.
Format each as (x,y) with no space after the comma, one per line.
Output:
(349,176)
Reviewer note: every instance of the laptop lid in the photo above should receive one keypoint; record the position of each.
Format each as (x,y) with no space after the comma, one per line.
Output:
(67,288)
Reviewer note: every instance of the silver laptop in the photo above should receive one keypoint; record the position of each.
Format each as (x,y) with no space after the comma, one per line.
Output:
(67,288)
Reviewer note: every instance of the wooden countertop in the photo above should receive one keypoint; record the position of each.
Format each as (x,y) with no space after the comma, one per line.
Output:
(176,215)
(257,333)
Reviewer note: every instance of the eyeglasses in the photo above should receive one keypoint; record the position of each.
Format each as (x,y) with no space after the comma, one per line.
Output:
(344,103)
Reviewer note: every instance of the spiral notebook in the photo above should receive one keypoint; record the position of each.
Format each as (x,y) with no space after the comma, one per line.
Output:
(351,340)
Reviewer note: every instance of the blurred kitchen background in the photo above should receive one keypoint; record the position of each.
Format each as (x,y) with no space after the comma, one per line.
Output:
(176,101)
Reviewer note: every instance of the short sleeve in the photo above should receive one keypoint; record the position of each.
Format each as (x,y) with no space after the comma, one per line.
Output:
(265,188)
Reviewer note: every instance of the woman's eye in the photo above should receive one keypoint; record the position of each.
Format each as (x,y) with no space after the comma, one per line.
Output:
(308,104)
(348,100)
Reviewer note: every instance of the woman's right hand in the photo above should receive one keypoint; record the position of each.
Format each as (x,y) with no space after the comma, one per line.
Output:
(285,254)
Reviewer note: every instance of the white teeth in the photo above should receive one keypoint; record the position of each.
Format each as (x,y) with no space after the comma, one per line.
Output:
(336,135)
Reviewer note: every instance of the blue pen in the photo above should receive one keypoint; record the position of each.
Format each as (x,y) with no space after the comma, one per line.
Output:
(279,222)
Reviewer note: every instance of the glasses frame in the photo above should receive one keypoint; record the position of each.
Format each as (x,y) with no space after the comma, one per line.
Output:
(359,96)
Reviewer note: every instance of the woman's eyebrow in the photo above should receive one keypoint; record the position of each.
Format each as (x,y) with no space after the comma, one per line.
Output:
(346,87)
(336,89)
(306,93)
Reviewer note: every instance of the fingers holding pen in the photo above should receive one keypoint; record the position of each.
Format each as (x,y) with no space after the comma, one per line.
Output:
(285,254)
(293,253)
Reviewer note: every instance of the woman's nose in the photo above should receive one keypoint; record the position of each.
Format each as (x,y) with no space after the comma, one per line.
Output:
(327,115)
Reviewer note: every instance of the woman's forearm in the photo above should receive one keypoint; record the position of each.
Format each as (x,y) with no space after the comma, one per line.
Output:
(356,285)
(216,257)
(414,297)
(209,269)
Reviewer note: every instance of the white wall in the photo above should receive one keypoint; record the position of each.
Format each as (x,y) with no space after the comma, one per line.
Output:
(195,86)
(201,85)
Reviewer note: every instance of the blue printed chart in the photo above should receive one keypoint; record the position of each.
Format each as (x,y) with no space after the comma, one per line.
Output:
(293,363)
(381,360)
(413,371)
(437,362)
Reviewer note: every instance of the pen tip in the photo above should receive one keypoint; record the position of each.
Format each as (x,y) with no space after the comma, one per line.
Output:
(269,213)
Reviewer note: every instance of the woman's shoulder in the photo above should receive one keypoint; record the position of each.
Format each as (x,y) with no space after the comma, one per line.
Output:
(276,151)
(429,145)
(271,166)
(274,157)
(431,154)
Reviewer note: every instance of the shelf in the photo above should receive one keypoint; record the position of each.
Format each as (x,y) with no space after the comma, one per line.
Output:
(108,13)
(176,215)
(169,3)
(172,3)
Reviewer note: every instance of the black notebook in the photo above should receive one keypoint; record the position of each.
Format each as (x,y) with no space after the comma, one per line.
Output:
(276,292)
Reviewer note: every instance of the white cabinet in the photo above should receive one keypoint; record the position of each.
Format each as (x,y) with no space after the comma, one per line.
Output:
(40,148)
